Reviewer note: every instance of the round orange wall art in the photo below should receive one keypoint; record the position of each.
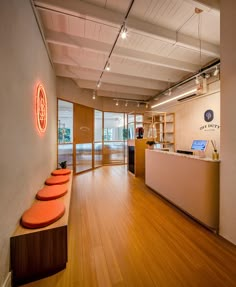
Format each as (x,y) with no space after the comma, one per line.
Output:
(41,109)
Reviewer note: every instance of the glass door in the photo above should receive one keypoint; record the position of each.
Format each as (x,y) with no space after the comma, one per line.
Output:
(98,127)
(114,135)
(83,138)
(65,133)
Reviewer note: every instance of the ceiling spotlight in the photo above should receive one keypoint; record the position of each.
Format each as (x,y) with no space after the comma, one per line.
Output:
(146,105)
(197,81)
(99,84)
(94,95)
(169,92)
(117,103)
(108,68)
(138,104)
(123,32)
(216,72)
(126,104)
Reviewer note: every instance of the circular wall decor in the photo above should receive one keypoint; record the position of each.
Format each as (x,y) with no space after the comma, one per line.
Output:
(41,109)
(208,115)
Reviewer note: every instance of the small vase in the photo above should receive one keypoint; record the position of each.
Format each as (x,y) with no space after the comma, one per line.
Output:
(215,155)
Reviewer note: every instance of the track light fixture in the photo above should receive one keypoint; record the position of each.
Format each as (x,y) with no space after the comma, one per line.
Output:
(216,72)
(94,95)
(124,32)
(108,68)
(169,92)
(138,103)
(99,84)
(121,33)
(197,80)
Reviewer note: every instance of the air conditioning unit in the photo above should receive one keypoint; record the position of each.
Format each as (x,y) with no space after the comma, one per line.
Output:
(202,87)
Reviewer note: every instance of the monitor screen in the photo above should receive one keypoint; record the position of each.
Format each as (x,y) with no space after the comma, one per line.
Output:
(199,145)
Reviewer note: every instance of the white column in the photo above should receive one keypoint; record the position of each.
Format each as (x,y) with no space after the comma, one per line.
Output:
(228,121)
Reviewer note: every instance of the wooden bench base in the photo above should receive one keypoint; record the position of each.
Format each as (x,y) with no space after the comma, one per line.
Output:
(38,253)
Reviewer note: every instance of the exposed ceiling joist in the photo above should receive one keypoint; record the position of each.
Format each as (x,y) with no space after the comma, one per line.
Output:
(157,75)
(78,8)
(75,42)
(109,89)
(92,75)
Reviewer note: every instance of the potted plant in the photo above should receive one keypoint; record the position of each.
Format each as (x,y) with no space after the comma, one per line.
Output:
(150,144)
(63,164)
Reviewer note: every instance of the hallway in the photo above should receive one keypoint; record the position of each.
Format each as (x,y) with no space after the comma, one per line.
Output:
(123,234)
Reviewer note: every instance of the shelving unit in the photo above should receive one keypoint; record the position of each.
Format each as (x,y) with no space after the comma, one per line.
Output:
(161,128)
(136,144)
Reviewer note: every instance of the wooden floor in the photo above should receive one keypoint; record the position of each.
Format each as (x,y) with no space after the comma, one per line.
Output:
(123,234)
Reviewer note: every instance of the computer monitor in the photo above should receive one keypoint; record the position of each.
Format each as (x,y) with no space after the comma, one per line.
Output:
(199,145)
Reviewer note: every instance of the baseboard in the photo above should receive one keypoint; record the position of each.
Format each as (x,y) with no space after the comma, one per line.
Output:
(7,282)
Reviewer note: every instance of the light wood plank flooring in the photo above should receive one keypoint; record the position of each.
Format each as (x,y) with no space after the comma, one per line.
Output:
(123,234)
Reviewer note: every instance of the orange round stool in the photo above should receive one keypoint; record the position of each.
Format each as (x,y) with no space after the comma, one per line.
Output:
(50,192)
(43,213)
(62,171)
(60,179)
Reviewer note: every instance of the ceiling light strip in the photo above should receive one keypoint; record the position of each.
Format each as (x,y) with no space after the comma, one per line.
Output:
(204,70)
(174,98)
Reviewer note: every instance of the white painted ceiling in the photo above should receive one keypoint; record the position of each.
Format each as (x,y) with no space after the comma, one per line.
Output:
(167,42)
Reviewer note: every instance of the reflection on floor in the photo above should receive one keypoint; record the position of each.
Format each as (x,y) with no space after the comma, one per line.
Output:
(122,234)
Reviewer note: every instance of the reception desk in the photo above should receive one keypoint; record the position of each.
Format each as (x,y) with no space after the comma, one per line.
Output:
(189,182)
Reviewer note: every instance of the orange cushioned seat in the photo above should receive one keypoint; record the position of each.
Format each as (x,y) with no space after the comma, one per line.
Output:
(43,213)
(50,192)
(60,179)
(62,171)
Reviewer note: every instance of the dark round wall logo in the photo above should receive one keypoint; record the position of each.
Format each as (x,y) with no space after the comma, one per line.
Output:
(208,115)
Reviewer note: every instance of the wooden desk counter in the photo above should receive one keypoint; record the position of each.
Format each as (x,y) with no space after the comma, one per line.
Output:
(189,182)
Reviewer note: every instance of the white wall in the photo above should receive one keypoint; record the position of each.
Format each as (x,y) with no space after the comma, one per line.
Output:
(68,90)
(190,123)
(26,157)
(228,119)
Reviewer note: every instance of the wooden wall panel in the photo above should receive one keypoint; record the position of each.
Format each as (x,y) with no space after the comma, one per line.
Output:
(83,124)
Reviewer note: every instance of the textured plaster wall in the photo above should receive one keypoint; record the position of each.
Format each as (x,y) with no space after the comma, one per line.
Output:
(26,157)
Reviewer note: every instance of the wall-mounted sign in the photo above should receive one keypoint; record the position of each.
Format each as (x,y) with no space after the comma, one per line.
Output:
(208,116)
(41,109)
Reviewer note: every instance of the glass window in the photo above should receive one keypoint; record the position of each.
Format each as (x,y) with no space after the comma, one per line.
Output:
(115,136)
(65,122)
(114,153)
(83,157)
(65,133)
(65,153)
(114,126)
(130,118)
(97,125)
(97,154)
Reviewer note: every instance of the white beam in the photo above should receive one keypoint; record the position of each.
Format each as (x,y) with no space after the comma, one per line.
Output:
(93,75)
(78,8)
(107,89)
(129,68)
(93,45)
